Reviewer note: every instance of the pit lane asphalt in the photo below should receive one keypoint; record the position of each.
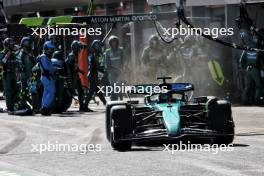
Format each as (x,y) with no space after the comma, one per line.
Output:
(17,134)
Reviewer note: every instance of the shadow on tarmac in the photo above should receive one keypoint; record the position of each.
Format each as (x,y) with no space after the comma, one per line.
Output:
(250,134)
(241,145)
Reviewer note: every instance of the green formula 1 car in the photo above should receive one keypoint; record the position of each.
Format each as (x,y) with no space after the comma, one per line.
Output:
(170,115)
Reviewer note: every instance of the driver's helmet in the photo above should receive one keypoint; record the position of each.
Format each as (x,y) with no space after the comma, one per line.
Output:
(165,98)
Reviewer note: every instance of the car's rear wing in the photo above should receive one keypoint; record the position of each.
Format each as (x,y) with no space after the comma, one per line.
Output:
(149,89)
(180,87)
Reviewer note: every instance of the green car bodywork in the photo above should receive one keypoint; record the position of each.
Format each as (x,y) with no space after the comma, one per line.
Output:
(171,117)
(170,109)
(170,114)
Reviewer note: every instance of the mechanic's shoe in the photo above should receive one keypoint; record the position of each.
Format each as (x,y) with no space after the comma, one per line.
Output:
(10,112)
(85,110)
(2,110)
(247,104)
(104,101)
(260,102)
(45,111)
(36,111)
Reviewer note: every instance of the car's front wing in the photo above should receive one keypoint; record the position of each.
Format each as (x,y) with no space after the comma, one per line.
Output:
(161,134)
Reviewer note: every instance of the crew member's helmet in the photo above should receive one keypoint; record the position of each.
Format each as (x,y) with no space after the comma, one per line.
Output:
(75,45)
(48,45)
(112,39)
(8,43)
(153,41)
(26,42)
(54,39)
(58,55)
(96,45)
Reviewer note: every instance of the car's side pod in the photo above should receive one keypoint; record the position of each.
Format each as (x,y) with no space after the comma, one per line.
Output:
(205,99)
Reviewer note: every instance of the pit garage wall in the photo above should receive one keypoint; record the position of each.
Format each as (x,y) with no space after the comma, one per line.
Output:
(230,57)
(215,17)
(256,12)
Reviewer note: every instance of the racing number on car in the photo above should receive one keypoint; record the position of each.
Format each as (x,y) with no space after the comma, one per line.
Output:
(216,72)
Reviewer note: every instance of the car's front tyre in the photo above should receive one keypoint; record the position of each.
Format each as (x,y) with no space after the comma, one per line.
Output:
(121,127)
(220,119)
(109,106)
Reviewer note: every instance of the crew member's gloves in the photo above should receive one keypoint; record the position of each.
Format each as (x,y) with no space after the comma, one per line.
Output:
(100,75)
(7,56)
(262,73)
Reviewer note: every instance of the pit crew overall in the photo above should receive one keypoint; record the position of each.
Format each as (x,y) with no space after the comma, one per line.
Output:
(59,63)
(154,59)
(47,74)
(26,63)
(74,79)
(36,87)
(9,78)
(114,66)
(249,62)
(94,69)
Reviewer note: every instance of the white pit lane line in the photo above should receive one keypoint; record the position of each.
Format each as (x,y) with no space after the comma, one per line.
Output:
(10,169)
(7,173)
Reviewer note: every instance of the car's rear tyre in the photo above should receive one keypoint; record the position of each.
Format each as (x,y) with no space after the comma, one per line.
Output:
(109,105)
(220,119)
(121,127)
